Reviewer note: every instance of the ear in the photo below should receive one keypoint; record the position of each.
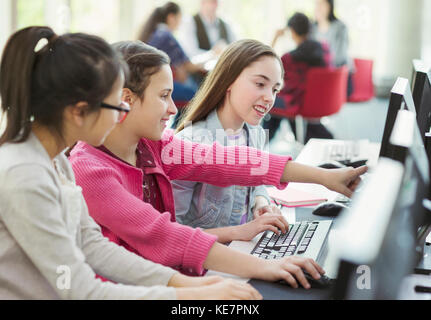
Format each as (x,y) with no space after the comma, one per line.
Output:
(128,96)
(77,113)
(229,89)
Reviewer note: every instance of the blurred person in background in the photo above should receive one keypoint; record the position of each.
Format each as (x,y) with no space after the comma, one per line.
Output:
(158,32)
(205,35)
(307,54)
(331,30)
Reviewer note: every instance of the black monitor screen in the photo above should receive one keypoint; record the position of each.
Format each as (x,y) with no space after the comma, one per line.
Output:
(401,98)
(424,109)
(418,80)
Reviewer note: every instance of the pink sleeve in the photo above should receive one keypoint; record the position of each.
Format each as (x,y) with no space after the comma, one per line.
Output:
(137,223)
(221,166)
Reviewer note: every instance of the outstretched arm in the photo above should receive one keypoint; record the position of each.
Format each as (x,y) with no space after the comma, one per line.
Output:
(343,180)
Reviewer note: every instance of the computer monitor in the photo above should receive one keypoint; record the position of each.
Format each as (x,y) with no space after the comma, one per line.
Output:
(407,140)
(384,233)
(419,75)
(401,98)
(424,109)
(374,250)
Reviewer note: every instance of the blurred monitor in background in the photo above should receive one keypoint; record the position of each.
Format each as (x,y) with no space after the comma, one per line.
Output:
(421,88)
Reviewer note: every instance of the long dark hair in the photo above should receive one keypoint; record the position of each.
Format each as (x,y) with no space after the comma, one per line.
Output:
(37,85)
(143,61)
(211,95)
(331,16)
(159,15)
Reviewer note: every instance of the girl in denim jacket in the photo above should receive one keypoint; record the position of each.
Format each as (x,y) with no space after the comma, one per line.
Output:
(228,109)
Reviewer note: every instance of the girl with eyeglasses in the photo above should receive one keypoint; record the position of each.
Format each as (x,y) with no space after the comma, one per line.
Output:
(127,181)
(56,90)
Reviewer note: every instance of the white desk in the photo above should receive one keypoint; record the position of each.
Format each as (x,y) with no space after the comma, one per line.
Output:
(310,155)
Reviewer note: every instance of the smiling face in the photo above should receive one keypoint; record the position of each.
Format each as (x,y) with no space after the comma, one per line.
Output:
(253,93)
(149,116)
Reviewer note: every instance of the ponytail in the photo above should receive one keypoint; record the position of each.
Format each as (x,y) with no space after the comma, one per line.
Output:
(37,84)
(15,83)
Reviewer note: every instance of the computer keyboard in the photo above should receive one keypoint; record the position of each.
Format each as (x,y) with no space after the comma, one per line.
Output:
(342,151)
(307,238)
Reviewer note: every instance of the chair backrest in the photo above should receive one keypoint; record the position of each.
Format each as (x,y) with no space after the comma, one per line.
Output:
(325,92)
(363,87)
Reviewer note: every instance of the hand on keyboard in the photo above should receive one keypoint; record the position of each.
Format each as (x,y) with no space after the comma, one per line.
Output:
(273,222)
(265,210)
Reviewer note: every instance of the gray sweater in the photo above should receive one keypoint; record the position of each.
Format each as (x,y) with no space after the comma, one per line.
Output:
(337,38)
(50,248)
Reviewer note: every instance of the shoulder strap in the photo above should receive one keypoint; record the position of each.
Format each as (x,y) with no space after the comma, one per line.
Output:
(204,42)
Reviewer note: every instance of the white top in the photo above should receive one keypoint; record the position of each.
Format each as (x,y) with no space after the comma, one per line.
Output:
(50,248)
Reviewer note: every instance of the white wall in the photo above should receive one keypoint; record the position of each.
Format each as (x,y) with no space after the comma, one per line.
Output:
(5,21)
(426,35)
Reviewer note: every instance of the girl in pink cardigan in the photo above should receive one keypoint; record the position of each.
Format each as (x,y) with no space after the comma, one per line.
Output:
(127,182)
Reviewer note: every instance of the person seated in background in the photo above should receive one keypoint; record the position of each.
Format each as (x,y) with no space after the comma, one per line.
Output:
(204,36)
(308,54)
(332,31)
(158,32)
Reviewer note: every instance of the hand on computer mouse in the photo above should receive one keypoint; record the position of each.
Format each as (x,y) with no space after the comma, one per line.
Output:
(291,269)
(344,180)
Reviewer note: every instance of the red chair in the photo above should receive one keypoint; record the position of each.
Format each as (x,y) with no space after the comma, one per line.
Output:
(325,94)
(363,88)
(181,104)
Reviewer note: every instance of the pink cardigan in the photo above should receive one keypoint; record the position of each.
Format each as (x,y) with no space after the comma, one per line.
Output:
(114,195)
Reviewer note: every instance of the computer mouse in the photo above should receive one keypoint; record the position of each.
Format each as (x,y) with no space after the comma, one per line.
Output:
(355,164)
(332,165)
(329,209)
(322,283)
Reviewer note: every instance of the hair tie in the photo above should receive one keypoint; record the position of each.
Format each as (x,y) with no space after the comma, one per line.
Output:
(42,43)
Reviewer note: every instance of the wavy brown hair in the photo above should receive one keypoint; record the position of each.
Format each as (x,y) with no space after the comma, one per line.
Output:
(238,56)
(143,62)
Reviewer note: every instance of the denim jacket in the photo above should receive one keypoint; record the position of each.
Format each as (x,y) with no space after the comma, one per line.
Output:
(207,206)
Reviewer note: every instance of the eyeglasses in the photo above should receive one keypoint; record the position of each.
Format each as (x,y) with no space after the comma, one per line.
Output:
(123,109)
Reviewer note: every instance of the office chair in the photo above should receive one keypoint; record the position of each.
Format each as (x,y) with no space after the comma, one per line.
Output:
(363,88)
(325,93)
